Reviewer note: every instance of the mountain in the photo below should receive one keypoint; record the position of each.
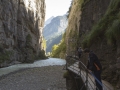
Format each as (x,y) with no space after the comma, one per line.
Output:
(53,41)
(55,27)
(53,31)
(48,21)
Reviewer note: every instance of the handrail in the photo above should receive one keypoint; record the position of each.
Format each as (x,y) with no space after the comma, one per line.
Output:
(86,71)
(85,74)
(82,64)
(92,75)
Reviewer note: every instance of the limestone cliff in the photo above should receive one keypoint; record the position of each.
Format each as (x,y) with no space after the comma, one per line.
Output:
(53,31)
(89,22)
(21,25)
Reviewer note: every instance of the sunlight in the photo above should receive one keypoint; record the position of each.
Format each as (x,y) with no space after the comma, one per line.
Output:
(56,7)
(31,5)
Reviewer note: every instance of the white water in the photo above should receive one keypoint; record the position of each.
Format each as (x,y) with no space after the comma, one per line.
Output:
(40,63)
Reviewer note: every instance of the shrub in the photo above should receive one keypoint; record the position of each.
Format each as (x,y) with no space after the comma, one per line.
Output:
(5,56)
(41,55)
(28,41)
(66,74)
(107,26)
(113,32)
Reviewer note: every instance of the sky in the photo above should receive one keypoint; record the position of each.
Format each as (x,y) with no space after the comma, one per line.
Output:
(56,7)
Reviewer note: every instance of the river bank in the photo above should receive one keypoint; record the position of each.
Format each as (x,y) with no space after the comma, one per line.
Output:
(43,78)
(39,63)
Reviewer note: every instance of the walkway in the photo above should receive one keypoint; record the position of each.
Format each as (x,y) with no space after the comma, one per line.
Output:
(88,79)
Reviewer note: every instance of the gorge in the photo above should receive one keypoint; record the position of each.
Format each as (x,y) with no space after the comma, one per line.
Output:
(21,25)
(93,24)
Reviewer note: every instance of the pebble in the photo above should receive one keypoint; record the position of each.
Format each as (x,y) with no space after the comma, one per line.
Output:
(43,78)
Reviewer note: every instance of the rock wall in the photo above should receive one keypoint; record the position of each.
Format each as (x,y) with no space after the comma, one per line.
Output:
(109,55)
(21,25)
(84,14)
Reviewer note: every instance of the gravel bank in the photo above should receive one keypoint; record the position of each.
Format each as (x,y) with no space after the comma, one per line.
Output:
(43,78)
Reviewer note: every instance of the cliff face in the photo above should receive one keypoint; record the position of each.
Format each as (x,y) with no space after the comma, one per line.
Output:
(108,54)
(55,27)
(82,22)
(54,30)
(21,25)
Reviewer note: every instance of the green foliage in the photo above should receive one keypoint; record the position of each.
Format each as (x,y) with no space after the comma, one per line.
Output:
(4,55)
(53,41)
(96,33)
(84,42)
(81,3)
(66,74)
(41,55)
(54,50)
(74,36)
(85,1)
(107,26)
(28,40)
(44,43)
(60,48)
(113,7)
(113,32)
(48,54)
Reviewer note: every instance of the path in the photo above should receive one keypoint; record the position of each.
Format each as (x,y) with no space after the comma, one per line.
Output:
(91,84)
(43,78)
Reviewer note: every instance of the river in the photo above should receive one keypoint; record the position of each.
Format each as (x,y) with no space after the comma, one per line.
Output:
(39,63)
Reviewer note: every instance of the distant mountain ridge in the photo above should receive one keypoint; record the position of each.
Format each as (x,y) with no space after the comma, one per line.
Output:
(48,21)
(56,26)
(54,30)
(53,41)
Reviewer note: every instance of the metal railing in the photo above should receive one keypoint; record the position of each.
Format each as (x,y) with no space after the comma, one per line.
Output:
(75,65)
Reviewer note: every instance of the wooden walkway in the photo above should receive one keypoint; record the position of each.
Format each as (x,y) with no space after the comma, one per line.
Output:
(91,82)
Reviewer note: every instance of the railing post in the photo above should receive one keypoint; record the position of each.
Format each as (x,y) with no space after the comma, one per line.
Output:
(66,64)
(86,79)
(66,58)
(79,67)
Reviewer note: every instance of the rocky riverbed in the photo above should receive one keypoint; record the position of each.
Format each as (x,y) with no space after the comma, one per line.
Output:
(43,78)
